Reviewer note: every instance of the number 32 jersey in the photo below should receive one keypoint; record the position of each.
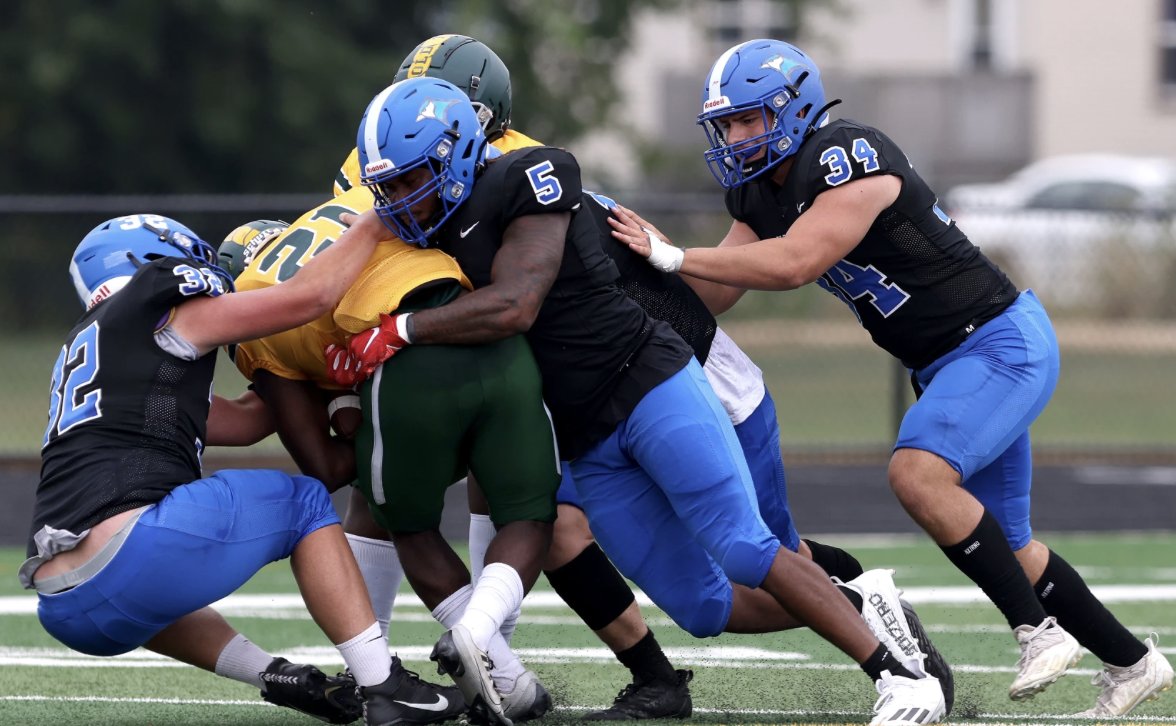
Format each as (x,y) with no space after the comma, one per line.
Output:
(915,281)
(127,419)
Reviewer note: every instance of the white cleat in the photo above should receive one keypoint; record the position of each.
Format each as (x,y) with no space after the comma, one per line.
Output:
(1125,687)
(1047,652)
(457,655)
(907,701)
(883,613)
(528,700)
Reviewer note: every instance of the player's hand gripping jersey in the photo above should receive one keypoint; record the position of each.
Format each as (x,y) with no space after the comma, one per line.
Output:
(112,443)
(394,270)
(915,282)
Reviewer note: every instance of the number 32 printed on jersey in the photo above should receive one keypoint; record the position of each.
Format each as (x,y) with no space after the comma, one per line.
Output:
(76,367)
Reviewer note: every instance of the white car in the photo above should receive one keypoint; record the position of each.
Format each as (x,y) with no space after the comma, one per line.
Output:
(1090,233)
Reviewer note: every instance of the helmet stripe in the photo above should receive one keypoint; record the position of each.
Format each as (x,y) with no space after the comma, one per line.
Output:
(371,125)
(714,84)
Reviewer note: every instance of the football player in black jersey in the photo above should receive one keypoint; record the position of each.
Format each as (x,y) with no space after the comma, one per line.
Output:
(129,542)
(839,204)
(653,454)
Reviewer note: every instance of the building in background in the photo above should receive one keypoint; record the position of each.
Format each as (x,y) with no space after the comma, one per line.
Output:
(971,89)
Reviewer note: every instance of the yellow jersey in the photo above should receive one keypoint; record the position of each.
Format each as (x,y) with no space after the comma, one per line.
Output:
(394,270)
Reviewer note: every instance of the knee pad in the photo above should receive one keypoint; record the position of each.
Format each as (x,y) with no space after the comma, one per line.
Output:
(592,587)
(702,619)
(746,563)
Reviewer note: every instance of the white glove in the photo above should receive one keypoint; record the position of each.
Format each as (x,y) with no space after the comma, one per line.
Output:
(662,255)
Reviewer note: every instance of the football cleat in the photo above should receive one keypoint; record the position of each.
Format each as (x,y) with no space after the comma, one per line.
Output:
(649,699)
(934,663)
(883,612)
(307,689)
(907,701)
(405,698)
(457,655)
(1047,652)
(528,700)
(1125,687)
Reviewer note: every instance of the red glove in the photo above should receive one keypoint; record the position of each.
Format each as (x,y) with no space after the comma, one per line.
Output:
(376,345)
(341,367)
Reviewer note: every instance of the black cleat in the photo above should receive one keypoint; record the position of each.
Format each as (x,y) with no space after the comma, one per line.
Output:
(650,699)
(935,664)
(307,689)
(405,698)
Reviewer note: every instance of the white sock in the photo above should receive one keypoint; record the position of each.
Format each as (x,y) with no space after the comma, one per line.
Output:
(243,661)
(482,531)
(498,593)
(453,607)
(507,666)
(381,572)
(508,626)
(367,656)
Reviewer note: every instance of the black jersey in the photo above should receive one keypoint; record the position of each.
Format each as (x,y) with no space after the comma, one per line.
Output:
(598,352)
(665,296)
(915,281)
(126,419)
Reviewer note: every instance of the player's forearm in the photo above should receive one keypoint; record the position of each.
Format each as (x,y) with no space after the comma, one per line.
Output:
(758,266)
(322,282)
(482,316)
(242,421)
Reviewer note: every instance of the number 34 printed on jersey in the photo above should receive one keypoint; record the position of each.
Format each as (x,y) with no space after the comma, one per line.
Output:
(840,170)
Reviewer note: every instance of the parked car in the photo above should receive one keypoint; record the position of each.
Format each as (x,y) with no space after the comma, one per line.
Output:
(1085,231)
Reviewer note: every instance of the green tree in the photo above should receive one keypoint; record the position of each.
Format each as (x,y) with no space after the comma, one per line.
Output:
(133,96)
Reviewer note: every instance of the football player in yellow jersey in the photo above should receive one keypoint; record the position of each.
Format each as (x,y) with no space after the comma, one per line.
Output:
(289,372)
(576,566)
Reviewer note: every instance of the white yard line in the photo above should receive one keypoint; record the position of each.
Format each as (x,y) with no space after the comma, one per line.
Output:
(982,718)
(258,605)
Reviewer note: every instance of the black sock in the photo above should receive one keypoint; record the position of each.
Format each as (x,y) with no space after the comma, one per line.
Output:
(1065,596)
(984,556)
(853,596)
(884,660)
(835,561)
(647,661)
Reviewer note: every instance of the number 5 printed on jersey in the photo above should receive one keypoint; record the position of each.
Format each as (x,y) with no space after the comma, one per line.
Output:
(547,187)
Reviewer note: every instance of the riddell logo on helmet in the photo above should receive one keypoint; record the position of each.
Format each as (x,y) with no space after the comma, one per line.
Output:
(712,104)
(377,166)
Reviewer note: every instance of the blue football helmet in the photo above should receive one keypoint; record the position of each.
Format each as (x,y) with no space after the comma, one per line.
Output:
(107,257)
(420,123)
(778,79)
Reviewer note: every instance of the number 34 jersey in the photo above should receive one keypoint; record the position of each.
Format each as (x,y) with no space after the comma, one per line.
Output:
(915,281)
(126,419)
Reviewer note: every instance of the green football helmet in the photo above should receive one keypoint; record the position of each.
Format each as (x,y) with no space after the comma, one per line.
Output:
(243,243)
(472,67)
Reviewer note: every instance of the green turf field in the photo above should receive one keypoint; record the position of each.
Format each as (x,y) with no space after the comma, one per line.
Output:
(783,678)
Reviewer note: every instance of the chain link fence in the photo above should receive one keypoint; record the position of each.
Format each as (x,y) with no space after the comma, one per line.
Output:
(1105,281)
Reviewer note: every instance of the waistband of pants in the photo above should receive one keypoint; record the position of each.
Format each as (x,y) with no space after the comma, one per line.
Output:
(89,568)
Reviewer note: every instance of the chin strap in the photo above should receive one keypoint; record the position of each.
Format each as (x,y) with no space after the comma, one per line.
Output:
(817,123)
